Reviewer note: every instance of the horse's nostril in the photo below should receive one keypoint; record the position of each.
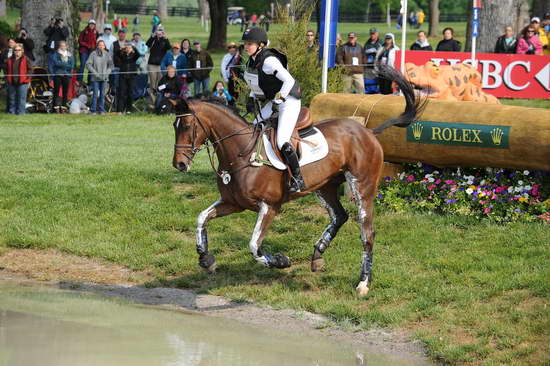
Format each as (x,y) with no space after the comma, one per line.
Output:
(182,167)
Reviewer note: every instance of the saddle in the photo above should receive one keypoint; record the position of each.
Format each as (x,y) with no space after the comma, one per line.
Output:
(303,128)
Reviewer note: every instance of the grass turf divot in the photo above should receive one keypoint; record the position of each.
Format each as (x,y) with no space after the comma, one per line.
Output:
(103,187)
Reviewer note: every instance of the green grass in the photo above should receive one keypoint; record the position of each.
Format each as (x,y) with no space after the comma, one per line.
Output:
(103,187)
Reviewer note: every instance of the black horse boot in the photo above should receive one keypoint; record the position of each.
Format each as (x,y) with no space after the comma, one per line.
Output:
(297,183)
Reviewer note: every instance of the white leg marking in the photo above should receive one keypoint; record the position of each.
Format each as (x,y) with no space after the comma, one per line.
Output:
(362,288)
(201,220)
(253,245)
(362,214)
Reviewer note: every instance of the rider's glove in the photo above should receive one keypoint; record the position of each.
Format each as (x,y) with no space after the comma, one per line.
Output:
(278,98)
(250,106)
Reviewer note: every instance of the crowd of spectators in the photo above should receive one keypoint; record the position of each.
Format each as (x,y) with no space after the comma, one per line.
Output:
(116,65)
(111,68)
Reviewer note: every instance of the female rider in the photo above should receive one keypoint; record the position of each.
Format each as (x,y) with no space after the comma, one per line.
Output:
(268,78)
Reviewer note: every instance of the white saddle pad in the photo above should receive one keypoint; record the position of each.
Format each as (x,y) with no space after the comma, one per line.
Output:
(315,150)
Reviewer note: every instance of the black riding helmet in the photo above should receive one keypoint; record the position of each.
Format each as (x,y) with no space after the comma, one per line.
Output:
(255,34)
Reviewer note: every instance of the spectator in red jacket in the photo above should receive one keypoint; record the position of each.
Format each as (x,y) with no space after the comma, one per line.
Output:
(529,43)
(18,76)
(87,42)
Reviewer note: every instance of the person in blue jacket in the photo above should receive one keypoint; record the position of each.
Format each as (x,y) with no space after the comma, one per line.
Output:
(62,67)
(219,91)
(174,58)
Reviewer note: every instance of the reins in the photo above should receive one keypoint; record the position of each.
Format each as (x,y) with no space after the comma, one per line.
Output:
(179,147)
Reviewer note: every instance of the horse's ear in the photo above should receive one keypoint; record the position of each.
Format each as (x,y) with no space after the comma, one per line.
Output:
(182,107)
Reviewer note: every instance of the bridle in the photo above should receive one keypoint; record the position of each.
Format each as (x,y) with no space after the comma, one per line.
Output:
(182,148)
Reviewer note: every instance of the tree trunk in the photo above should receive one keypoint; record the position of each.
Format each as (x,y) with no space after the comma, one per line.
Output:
(493,18)
(434,18)
(3,11)
(36,15)
(142,5)
(97,13)
(539,8)
(218,30)
(469,15)
(317,18)
(162,6)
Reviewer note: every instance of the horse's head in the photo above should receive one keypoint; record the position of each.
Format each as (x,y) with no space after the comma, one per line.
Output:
(191,133)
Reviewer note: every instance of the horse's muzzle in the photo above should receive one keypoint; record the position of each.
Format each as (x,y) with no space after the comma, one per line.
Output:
(182,167)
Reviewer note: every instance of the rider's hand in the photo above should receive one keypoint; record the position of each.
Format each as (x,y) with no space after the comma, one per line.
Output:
(250,106)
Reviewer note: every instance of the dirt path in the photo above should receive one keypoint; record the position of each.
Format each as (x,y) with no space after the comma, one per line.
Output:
(83,274)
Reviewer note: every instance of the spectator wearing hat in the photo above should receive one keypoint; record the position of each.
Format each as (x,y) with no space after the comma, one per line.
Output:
(539,31)
(506,43)
(386,56)
(107,37)
(351,56)
(127,57)
(371,47)
(231,67)
(201,65)
(158,46)
(142,49)
(55,32)
(27,42)
(116,55)
(18,77)
(448,43)
(529,43)
(87,41)
(176,59)
(421,43)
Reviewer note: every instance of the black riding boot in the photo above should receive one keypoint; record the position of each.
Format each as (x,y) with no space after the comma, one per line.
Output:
(297,183)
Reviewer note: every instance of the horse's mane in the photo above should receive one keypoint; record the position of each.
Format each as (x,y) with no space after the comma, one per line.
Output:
(220,105)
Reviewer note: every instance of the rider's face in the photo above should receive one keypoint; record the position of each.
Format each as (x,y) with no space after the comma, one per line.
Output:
(250,48)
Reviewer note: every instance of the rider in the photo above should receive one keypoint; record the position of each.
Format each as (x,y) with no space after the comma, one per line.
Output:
(268,78)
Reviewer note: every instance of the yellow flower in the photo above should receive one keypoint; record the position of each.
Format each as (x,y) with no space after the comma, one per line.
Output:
(473,187)
(523,199)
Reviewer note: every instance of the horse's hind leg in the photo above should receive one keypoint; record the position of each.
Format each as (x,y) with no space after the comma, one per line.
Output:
(266,214)
(217,209)
(328,195)
(364,191)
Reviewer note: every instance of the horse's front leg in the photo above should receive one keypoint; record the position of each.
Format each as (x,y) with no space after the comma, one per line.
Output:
(266,214)
(217,209)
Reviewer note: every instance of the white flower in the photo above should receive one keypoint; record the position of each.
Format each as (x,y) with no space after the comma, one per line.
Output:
(520,182)
(436,172)
(482,182)
(527,187)
(510,189)
(489,170)
(431,180)
(470,182)
(526,172)
(469,191)
(419,164)
(427,176)
(517,189)
(526,195)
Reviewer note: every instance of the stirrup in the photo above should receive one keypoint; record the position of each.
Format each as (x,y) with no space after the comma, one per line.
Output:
(297,185)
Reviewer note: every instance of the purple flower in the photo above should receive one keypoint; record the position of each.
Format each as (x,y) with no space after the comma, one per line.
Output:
(450,201)
(379,196)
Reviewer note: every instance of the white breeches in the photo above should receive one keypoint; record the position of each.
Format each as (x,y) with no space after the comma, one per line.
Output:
(288,116)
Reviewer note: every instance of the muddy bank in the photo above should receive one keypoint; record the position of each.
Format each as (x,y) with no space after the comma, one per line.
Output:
(90,275)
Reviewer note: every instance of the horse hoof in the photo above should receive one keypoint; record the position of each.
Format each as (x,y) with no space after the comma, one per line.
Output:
(317,265)
(280,261)
(362,289)
(212,268)
(208,262)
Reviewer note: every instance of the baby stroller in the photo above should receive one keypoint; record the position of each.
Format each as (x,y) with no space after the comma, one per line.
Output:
(40,94)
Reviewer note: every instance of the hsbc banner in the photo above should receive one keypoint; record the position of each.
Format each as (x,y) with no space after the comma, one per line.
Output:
(503,75)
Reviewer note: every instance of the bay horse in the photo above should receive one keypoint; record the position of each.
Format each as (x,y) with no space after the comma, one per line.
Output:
(355,156)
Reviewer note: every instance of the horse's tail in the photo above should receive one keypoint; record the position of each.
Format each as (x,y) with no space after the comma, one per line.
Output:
(415,105)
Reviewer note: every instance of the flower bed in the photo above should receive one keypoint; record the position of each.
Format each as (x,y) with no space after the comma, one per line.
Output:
(498,194)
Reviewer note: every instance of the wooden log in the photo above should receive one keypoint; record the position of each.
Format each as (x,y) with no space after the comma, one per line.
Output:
(450,134)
